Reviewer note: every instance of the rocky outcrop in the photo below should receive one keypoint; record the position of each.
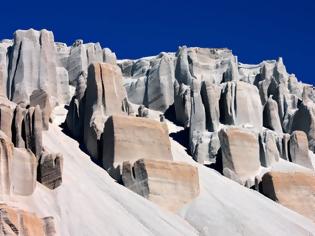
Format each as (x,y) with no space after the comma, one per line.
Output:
(304,119)
(271,116)
(32,128)
(4,65)
(14,221)
(104,96)
(127,138)
(33,64)
(269,153)
(6,157)
(237,103)
(170,185)
(23,173)
(81,56)
(210,93)
(151,82)
(294,190)
(49,170)
(63,85)
(298,149)
(214,65)
(240,154)
(41,98)
(182,103)
(6,116)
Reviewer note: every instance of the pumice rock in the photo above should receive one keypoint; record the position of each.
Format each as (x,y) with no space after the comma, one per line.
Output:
(105,96)
(182,103)
(6,116)
(127,138)
(41,98)
(237,103)
(271,116)
(211,96)
(33,64)
(49,171)
(169,184)
(15,221)
(23,175)
(294,190)
(269,153)
(6,157)
(304,119)
(33,130)
(240,152)
(299,149)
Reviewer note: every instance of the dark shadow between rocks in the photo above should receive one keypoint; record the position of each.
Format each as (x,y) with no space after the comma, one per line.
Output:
(182,137)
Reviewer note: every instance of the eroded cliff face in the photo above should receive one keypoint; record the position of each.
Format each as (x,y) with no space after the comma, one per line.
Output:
(255,124)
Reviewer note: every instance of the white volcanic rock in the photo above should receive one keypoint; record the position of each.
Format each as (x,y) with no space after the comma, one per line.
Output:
(169,184)
(33,64)
(298,147)
(4,64)
(6,156)
(63,89)
(18,222)
(304,119)
(81,56)
(105,96)
(269,153)
(211,96)
(223,207)
(240,154)
(149,81)
(23,173)
(233,205)
(62,54)
(182,103)
(127,138)
(271,116)
(205,64)
(240,103)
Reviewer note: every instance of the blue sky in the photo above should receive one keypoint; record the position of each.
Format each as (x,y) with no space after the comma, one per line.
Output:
(254,30)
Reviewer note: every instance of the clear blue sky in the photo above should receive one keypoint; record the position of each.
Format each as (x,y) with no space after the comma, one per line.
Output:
(254,30)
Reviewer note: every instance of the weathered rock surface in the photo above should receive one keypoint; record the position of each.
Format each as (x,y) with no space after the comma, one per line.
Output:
(127,138)
(295,190)
(240,153)
(240,104)
(4,64)
(23,175)
(32,130)
(210,93)
(105,96)
(63,85)
(304,119)
(299,149)
(171,185)
(149,81)
(14,221)
(6,116)
(6,157)
(33,64)
(182,103)
(269,153)
(41,98)
(271,116)
(49,170)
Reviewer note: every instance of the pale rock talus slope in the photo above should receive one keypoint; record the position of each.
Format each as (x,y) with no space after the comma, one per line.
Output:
(224,207)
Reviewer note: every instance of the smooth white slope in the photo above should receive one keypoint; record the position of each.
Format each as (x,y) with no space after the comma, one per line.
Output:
(90,203)
(227,208)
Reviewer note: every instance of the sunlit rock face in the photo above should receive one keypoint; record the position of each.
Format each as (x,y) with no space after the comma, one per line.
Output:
(169,184)
(150,124)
